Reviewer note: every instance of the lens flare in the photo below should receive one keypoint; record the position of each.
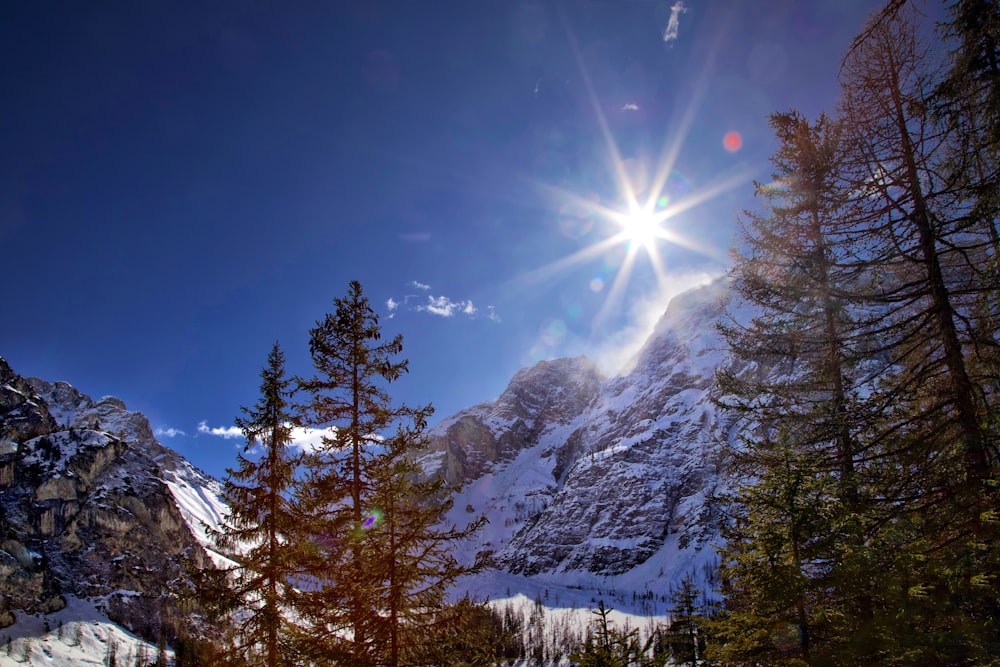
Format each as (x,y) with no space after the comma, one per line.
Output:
(732,141)
(373,519)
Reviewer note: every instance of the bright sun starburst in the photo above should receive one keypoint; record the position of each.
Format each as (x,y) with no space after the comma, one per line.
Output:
(641,227)
(645,217)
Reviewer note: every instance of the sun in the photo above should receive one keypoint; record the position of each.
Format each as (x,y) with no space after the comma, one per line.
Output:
(640,227)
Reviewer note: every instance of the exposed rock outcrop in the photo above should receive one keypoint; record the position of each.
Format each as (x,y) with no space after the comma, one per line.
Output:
(586,476)
(85,508)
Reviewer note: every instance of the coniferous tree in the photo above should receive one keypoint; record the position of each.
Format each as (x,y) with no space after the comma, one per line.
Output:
(254,594)
(608,646)
(685,636)
(932,209)
(377,566)
(800,365)
(899,155)
(111,654)
(875,450)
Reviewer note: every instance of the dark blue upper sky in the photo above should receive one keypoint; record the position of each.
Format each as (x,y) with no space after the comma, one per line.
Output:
(182,183)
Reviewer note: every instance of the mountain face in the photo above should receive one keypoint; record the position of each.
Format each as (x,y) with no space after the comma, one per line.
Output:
(594,480)
(92,506)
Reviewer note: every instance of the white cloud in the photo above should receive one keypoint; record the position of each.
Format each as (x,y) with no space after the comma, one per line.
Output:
(441,305)
(227,432)
(306,438)
(303,437)
(168,432)
(630,106)
(674,24)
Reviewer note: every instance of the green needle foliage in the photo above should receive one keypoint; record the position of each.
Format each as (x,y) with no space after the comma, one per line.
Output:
(608,646)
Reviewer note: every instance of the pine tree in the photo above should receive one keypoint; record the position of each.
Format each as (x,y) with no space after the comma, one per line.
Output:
(377,566)
(161,651)
(255,593)
(800,366)
(931,209)
(930,268)
(866,387)
(611,647)
(685,636)
(111,654)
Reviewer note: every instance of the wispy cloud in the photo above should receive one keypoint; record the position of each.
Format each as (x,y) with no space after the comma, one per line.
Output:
(168,432)
(445,307)
(674,24)
(440,305)
(630,106)
(303,437)
(306,438)
(227,432)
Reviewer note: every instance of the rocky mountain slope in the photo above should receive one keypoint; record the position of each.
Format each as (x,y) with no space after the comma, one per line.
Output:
(592,481)
(92,506)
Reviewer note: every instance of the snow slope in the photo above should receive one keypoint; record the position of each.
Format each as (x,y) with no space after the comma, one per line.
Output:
(76,636)
(592,483)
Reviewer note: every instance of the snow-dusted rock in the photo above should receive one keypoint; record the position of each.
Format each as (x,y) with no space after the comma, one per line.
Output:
(592,479)
(89,507)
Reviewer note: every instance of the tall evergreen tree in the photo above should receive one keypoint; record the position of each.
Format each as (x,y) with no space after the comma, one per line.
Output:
(930,266)
(869,432)
(608,646)
(931,210)
(377,564)
(254,594)
(797,531)
(685,636)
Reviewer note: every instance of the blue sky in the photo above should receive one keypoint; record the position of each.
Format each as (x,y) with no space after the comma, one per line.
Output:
(183,183)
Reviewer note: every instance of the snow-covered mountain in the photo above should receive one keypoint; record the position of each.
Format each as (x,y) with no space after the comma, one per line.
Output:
(94,508)
(594,487)
(597,482)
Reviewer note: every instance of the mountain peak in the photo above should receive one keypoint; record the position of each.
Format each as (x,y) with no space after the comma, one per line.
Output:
(86,488)
(594,480)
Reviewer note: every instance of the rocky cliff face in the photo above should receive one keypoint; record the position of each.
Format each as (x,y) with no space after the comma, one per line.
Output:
(89,506)
(586,478)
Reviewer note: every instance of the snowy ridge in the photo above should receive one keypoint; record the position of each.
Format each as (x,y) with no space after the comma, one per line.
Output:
(610,489)
(100,523)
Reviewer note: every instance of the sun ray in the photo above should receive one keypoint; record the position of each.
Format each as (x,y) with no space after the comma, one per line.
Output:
(617,290)
(742,177)
(617,165)
(542,273)
(673,147)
